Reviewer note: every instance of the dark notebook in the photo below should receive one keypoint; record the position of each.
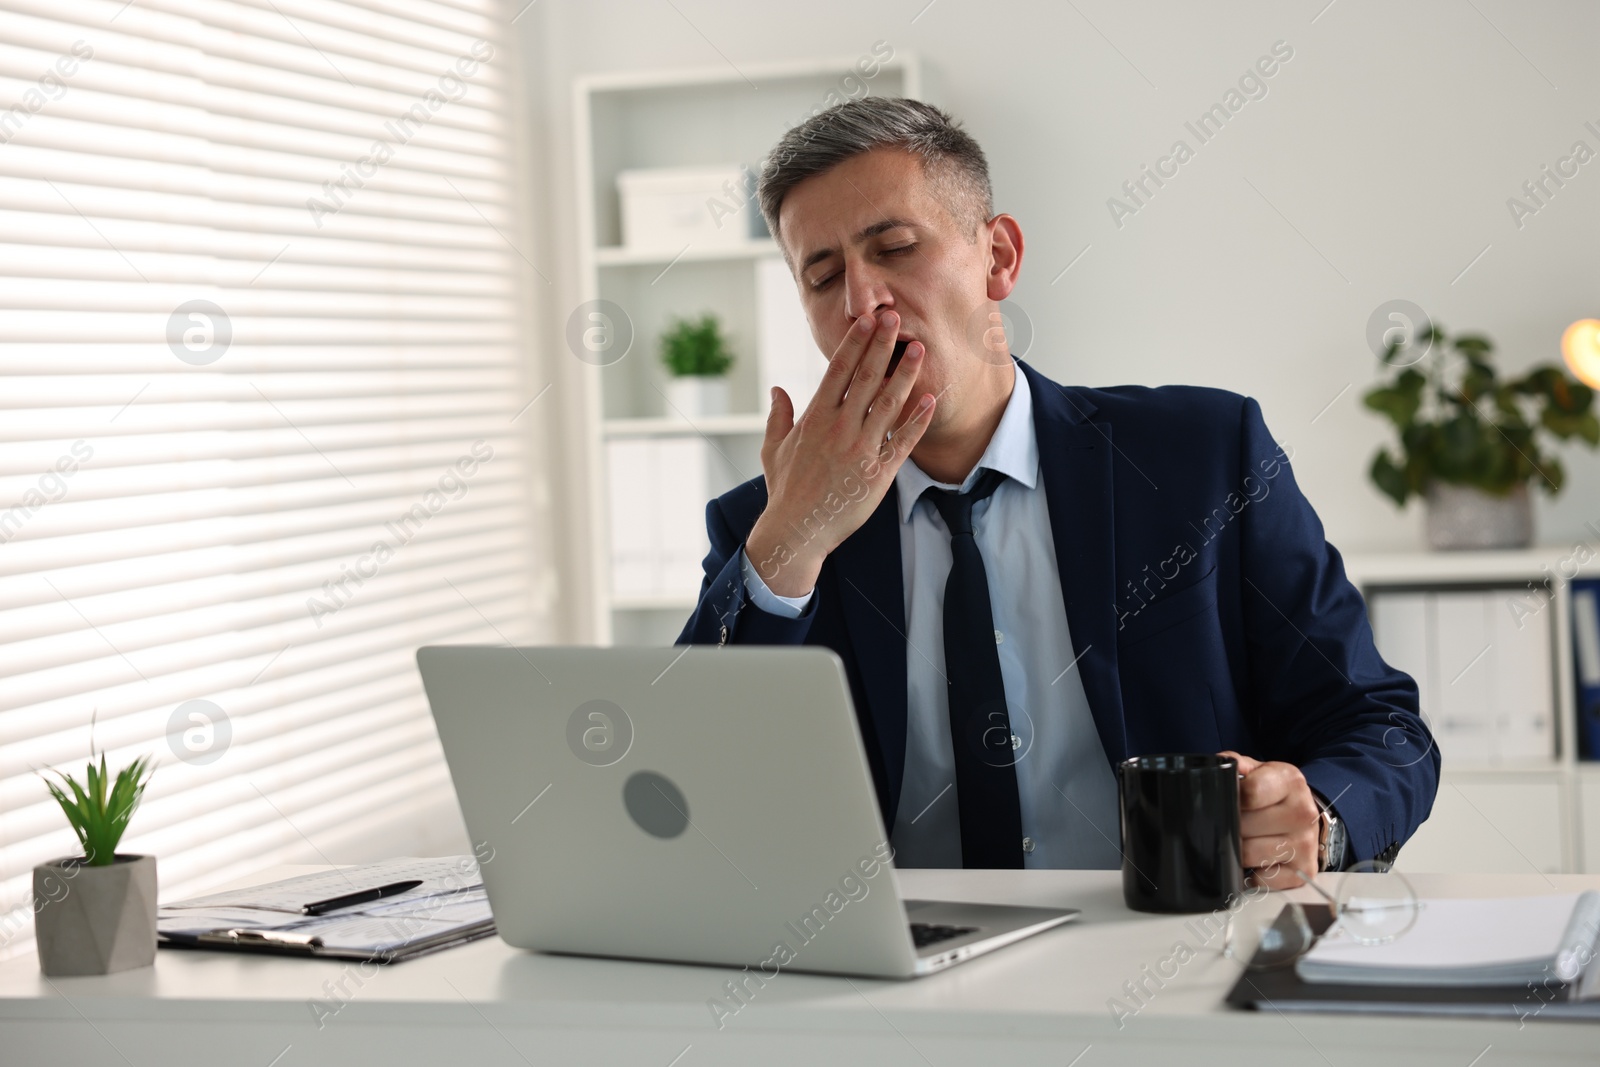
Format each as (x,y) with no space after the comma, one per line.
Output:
(1280,989)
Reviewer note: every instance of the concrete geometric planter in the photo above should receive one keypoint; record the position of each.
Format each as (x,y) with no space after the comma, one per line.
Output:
(1462,517)
(95,920)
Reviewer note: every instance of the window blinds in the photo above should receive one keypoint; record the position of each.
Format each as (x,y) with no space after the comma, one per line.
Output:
(259,403)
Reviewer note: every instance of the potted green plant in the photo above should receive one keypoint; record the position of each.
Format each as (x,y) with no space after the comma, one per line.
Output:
(1469,442)
(697,358)
(96,913)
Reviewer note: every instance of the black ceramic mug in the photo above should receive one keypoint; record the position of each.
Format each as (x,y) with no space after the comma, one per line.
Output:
(1180,832)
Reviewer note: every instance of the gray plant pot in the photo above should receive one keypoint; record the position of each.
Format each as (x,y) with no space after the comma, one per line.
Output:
(697,395)
(95,920)
(1461,517)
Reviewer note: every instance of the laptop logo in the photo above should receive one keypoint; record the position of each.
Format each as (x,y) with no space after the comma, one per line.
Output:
(656,805)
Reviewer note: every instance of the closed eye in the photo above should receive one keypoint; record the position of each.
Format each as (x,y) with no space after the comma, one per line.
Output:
(898,250)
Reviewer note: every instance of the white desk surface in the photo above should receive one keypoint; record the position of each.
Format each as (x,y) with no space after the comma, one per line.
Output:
(1042,1001)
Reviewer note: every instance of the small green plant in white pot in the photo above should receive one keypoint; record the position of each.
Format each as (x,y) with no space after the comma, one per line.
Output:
(96,913)
(697,358)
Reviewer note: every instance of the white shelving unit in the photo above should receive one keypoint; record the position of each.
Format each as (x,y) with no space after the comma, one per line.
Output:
(1541,816)
(667,425)
(616,256)
(681,118)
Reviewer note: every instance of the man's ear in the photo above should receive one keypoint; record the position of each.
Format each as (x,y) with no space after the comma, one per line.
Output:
(1005,255)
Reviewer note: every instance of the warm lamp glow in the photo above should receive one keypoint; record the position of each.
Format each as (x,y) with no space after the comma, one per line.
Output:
(1580,347)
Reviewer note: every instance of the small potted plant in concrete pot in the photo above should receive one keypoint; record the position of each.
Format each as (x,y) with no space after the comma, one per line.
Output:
(96,913)
(697,357)
(1470,444)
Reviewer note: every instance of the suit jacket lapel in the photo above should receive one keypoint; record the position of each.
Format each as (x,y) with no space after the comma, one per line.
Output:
(872,596)
(1075,457)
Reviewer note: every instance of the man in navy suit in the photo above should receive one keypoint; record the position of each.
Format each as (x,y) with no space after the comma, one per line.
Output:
(1153,578)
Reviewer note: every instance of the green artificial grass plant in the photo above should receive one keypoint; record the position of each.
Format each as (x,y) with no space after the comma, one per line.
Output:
(99,811)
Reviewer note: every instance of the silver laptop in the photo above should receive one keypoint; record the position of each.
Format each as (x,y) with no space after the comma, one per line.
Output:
(692,804)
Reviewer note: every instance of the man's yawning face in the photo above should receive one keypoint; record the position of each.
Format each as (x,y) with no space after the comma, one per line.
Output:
(876,234)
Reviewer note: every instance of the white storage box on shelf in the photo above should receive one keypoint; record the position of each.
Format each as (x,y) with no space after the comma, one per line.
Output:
(666,208)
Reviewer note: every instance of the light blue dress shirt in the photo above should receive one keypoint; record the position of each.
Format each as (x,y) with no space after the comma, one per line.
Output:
(1067,791)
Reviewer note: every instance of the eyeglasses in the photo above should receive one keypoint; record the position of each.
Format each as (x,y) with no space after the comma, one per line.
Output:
(1372,905)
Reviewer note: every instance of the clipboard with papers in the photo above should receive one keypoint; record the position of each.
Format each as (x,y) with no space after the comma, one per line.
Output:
(449,907)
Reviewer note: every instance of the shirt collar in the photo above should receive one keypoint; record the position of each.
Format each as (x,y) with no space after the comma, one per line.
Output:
(1013,451)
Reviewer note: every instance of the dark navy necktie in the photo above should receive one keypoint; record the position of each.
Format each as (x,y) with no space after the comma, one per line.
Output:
(980,726)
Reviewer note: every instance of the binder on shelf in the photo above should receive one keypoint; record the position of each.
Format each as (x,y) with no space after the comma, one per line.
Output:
(628,476)
(1586,664)
(1523,695)
(1404,636)
(1466,656)
(684,487)
(1484,674)
(659,487)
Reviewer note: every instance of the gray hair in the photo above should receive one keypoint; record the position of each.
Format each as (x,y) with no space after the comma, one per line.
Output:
(949,155)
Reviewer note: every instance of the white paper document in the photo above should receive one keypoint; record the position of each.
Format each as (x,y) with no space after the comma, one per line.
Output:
(1492,942)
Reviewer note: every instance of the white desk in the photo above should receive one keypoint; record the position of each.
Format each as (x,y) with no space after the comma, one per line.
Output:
(1043,1001)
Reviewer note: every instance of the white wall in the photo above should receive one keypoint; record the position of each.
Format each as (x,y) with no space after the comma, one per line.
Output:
(1378,166)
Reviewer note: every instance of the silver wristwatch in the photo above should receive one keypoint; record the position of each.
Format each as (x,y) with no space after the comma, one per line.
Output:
(1331,840)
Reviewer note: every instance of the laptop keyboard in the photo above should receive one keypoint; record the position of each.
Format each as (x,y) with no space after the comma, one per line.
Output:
(925,934)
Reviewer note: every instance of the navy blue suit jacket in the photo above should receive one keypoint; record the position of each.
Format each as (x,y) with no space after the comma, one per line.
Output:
(1208,608)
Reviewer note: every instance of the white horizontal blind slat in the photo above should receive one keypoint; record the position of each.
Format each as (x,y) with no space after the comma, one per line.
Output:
(270,506)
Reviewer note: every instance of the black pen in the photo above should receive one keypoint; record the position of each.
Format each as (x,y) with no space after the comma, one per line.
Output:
(361,897)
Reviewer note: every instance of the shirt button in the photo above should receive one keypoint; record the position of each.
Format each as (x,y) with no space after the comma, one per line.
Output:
(999,637)
(724,633)
(1027,844)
